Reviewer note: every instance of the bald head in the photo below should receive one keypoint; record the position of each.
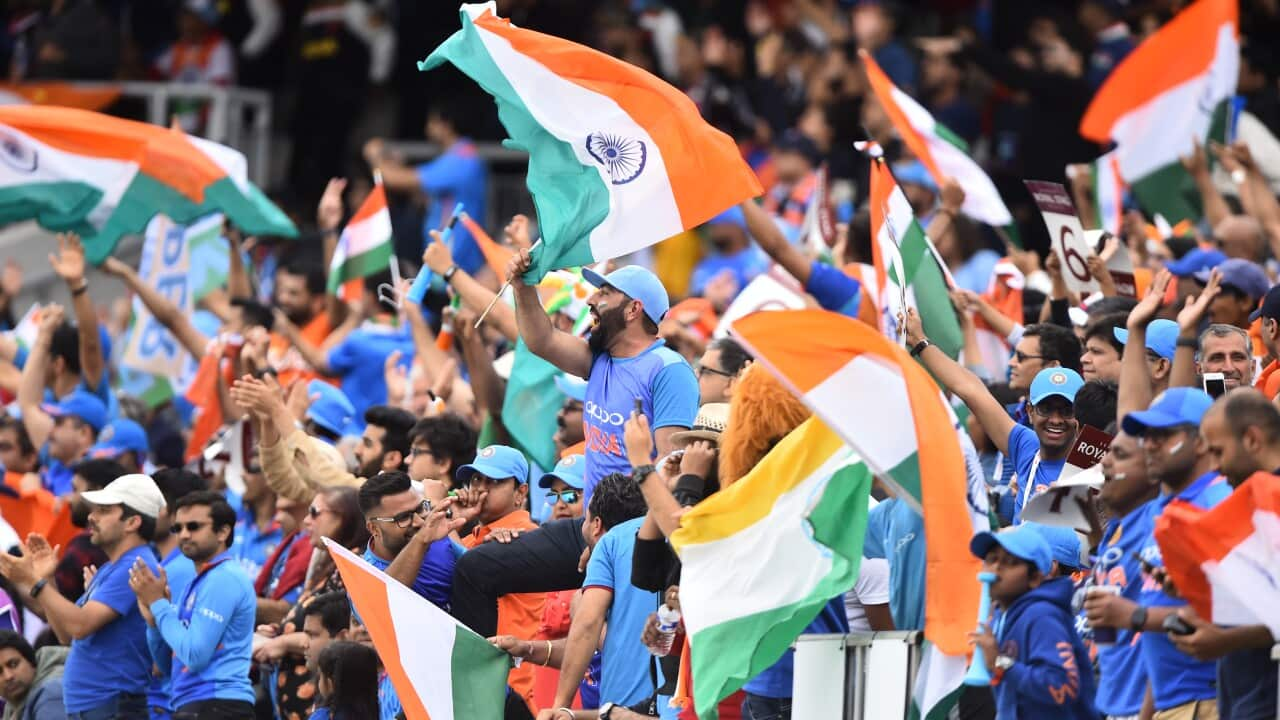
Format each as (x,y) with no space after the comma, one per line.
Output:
(1241,236)
(1241,433)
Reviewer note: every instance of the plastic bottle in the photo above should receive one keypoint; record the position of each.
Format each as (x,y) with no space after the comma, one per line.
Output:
(668,623)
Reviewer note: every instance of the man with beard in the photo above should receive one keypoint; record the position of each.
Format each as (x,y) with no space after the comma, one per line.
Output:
(394,513)
(1037,453)
(300,296)
(205,634)
(1241,434)
(81,552)
(109,658)
(569,429)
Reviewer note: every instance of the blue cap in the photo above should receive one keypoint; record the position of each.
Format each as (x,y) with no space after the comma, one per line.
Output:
(636,283)
(1162,337)
(1171,408)
(1242,275)
(86,406)
(1064,543)
(497,462)
(1270,307)
(1197,260)
(332,410)
(571,469)
(574,388)
(914,172)
(1019,541)
(732,216)
(1060,381)
(120,436)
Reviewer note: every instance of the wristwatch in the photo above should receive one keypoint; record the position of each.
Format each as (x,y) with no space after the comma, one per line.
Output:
(605,710)
(448,273)
(1004,662)
(1138,620)
(643,472)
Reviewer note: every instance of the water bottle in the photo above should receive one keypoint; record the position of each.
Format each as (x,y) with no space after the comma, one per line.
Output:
(668,622)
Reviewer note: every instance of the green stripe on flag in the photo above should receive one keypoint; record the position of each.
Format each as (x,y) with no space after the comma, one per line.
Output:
(945,133)
(838,521)
(1169,191)
(530,405)
(479,677)
(373,261)
(55,205)
(570,197)
(932,296)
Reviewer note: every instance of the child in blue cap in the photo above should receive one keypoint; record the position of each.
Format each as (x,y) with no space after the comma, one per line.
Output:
(1038,666)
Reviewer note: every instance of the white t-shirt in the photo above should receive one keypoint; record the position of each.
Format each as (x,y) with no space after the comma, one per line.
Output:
(872,588)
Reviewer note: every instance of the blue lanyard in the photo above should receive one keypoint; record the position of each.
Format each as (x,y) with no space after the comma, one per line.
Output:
(189,598)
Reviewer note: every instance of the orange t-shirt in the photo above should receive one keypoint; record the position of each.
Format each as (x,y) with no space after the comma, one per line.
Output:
(518,614)
(288,361)
(555,625)
(1269,380)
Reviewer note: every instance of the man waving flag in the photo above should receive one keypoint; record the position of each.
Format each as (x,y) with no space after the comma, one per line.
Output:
(618,159)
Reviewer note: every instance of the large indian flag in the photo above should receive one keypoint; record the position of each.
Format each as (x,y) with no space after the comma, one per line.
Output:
(364,248)
(1167,94)
(618,159)
(891,413)
(1226,561)
(908,267)
(441,670)
(943,152)
(781,542)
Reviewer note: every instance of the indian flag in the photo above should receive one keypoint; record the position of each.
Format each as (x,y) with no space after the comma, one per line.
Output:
(260,216)
(441,670)
(908,268)
(618,159)
(104,177)
(1004,293)
(943,152)
(1226,561)
(1168,93)
(781,542)
(1108,193)
(890,412)
(365,245)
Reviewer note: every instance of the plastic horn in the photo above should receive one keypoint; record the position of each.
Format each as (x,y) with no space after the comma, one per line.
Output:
(418,290)
(978,675)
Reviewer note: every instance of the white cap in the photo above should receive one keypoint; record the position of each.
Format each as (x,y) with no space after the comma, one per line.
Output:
(137,491)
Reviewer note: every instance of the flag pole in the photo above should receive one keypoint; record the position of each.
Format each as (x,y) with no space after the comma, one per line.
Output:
(501,290)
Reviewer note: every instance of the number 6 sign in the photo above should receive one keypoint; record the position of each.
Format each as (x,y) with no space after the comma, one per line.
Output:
(1066,235)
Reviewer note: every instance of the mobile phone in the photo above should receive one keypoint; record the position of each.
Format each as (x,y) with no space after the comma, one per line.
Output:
(639,406)
(1175,625)
(1215,384)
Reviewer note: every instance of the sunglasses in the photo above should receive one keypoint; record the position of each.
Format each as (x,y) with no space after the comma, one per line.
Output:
(192,526)
(568,497)
(316,512)
(405,519)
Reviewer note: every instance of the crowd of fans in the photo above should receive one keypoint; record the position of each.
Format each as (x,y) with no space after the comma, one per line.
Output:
(199,585)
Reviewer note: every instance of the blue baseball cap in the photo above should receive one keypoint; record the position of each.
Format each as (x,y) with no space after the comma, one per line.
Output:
(1197,260)
(572,469)
(86,406)
(1242,275)
(1019,541)
(574,388)
(497,462)
(1060,381)
(914,172)
(120,436)
(1173,407)
(1162,337)
(636,283)
(1064,543)
(332,410)
(732,216)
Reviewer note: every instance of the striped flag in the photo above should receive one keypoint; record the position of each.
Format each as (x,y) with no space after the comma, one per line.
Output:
(261,217)
(441,670)
(908,266)
(1170,92)
(364,248)
(105,177)
(1226,561)
(618,159)
(1108,193)
(943,152)
(841,369)
(1004,293)
(781,542)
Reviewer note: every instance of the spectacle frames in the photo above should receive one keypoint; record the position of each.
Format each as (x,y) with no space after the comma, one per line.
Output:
(1066,412)
(703,369)
(568,497)
(405,519)
(415,451)
(1023,357)
(316,512)
(192,526)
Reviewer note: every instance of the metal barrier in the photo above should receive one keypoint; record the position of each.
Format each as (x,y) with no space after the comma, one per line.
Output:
(859,676)
(507,192)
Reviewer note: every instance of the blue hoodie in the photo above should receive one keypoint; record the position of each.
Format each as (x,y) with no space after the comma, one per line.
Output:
(210,633)
(1051,676)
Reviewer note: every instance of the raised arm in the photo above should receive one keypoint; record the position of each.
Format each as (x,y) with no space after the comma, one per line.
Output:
(439,259)
(1189,319)
(1135,377)
(164,311)
(774,243)
(396,175)
(68,263)
(1197,166)
(570,354)
(942,228)
(969,387)
(31,385)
